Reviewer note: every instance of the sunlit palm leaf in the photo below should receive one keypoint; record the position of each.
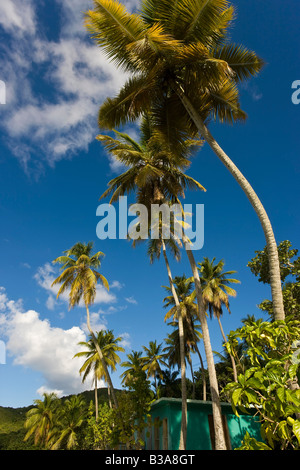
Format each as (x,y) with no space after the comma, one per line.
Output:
(114,29)
(243,62)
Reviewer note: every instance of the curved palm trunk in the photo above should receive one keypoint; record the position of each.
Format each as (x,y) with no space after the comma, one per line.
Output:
(231,357)
(202,371)
(98,349)
(200,357)
(274,268)
(96,397)
(183,432)
(220,443)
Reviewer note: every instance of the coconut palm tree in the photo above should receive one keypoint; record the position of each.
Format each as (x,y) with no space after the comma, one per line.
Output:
(172,348)
(185,289)
(41,419)
(153,361)
(134,366)
(156,176)
(168,386)
(184,69)
(71,418)
(80,277)
(164,185)
(109,347)
(216,291)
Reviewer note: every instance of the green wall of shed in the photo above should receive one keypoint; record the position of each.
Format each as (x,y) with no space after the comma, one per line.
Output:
(198,433)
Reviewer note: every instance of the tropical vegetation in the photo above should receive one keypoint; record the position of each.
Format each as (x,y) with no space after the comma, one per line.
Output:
(183,74)
(266,357)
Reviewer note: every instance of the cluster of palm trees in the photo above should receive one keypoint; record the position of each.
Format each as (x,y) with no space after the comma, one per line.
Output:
(183,73)
(54,425)
(80,276)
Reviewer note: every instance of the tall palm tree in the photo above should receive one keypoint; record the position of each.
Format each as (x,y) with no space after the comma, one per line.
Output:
(41,419)
(109,347)
(191,337)
(186,295)
(153,361)
(80,277)
(216,291)
(186,71)
(155,175)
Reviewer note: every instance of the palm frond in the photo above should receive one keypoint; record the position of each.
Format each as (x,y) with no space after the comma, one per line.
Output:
(113,28)
(244,63)
(156,43)
(132,100)
(224,103)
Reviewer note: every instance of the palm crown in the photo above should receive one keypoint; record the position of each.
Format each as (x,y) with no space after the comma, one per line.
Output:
(169,45)
(154,172)
(80,274)
(216,285)
(109,347)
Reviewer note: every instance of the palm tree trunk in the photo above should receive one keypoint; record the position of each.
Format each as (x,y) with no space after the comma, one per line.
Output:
(96,397)
(109,397)
(220,443)
(98,349)
(191,328)
(183,432)
(202,371)
(193,380)
(231,357)
(274,268)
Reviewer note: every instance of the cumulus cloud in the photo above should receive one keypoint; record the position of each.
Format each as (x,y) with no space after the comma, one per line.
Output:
(54,86)
(34,343)
(17,17)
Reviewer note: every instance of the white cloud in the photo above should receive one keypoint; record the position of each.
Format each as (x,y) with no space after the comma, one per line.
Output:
(34,343)
(25,265)
(96,321)
(17,16)
(125,343)
(252,90)
(50,302)
(114,165)
(131,300)
(116,285)
(44,127)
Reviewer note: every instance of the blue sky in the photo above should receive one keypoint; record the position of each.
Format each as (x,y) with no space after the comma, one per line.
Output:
(52,172)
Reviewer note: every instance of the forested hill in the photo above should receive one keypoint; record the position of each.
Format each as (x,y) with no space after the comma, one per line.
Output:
(12,420)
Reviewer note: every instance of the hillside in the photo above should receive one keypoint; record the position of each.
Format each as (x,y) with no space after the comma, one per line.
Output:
(12,421)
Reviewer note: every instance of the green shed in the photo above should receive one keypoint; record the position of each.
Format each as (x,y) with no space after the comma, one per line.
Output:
(166,422)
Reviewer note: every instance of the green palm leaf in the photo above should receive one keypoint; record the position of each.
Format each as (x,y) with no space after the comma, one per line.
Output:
(113,28)
(243,62)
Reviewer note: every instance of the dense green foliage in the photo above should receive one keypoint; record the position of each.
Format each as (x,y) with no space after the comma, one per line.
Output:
(268,381)
(266,354)
(290,277)
(12,420)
